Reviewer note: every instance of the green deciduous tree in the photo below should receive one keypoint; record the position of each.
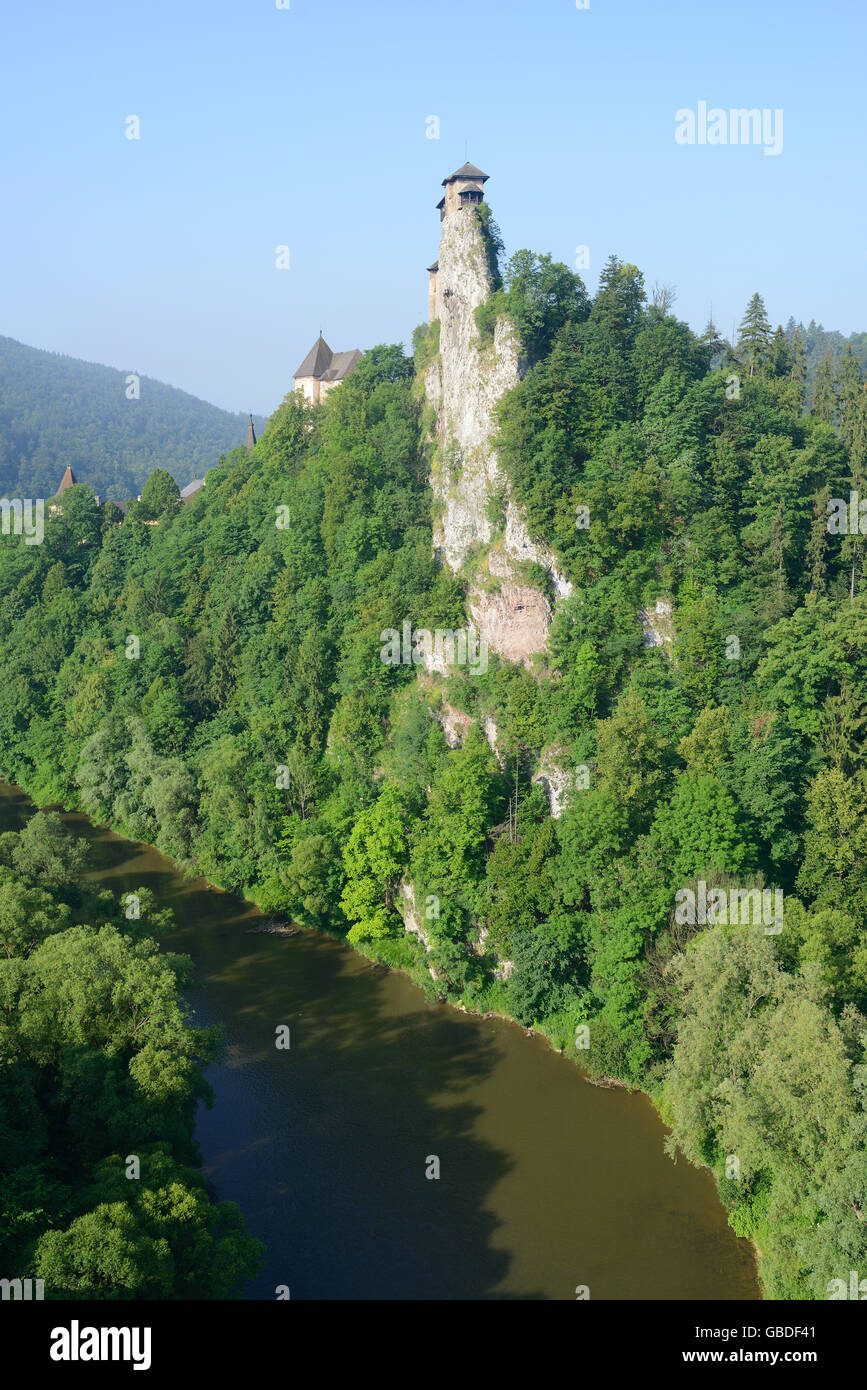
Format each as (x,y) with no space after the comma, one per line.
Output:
(373,859)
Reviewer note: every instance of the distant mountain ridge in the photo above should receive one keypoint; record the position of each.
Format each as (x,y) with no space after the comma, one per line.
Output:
(58,412)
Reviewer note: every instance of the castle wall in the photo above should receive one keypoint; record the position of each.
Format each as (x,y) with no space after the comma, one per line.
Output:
(309,387)
(313,388)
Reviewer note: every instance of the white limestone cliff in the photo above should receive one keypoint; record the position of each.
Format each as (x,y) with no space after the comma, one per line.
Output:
(464,383)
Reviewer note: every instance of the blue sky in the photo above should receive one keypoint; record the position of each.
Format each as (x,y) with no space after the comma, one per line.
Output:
(306,127)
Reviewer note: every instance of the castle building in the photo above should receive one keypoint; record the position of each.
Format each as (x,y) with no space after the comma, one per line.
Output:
(323,369)
(463,189)
(67,481)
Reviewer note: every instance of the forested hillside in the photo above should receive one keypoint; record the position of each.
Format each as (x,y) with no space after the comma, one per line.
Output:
(57,411)
(214,684)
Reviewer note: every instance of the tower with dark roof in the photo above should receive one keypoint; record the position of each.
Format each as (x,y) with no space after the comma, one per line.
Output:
(67,481)
(251,436)
(464,188)
(323,369)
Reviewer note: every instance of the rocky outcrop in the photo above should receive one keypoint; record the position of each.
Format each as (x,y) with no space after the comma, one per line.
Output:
(657,627)
(514,619)
(406,906)
(502,968)
(556,780)
(464,384)
(454,724)
(518,547)
(492,734)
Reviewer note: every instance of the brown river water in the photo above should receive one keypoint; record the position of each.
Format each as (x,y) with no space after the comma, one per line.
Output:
(546,1182)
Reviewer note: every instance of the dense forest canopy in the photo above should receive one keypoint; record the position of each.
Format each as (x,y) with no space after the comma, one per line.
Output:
(57,411)
(213,684)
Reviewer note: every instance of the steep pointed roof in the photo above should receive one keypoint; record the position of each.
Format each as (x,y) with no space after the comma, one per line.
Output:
(467,171)
(251,436)
(68,480)
(342,364)
(317,361)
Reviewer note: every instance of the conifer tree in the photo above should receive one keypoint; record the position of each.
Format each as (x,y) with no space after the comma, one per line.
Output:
(779,358)
(817,545)
(798,367)
(754,334)
(824,405)
(852,547)
(713,340)
(850,389)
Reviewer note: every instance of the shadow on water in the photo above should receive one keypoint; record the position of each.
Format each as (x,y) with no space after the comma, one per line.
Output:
(325,1145)
(546,1182)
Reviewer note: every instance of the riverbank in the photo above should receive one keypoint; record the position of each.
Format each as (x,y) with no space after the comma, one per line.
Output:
(593,1157)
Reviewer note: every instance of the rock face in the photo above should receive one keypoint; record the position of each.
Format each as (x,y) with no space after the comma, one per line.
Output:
(454,725)
(556,780)
(514,620)
(518,546)
(464,384)
(409,912)
(503,968)
(492,734)
(406,906)
(657,628)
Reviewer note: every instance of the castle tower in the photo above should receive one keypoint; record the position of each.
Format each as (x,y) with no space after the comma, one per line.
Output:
(463,189)
(68,480)
(323,369)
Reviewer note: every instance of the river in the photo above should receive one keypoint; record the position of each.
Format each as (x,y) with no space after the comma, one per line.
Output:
(546,1182)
